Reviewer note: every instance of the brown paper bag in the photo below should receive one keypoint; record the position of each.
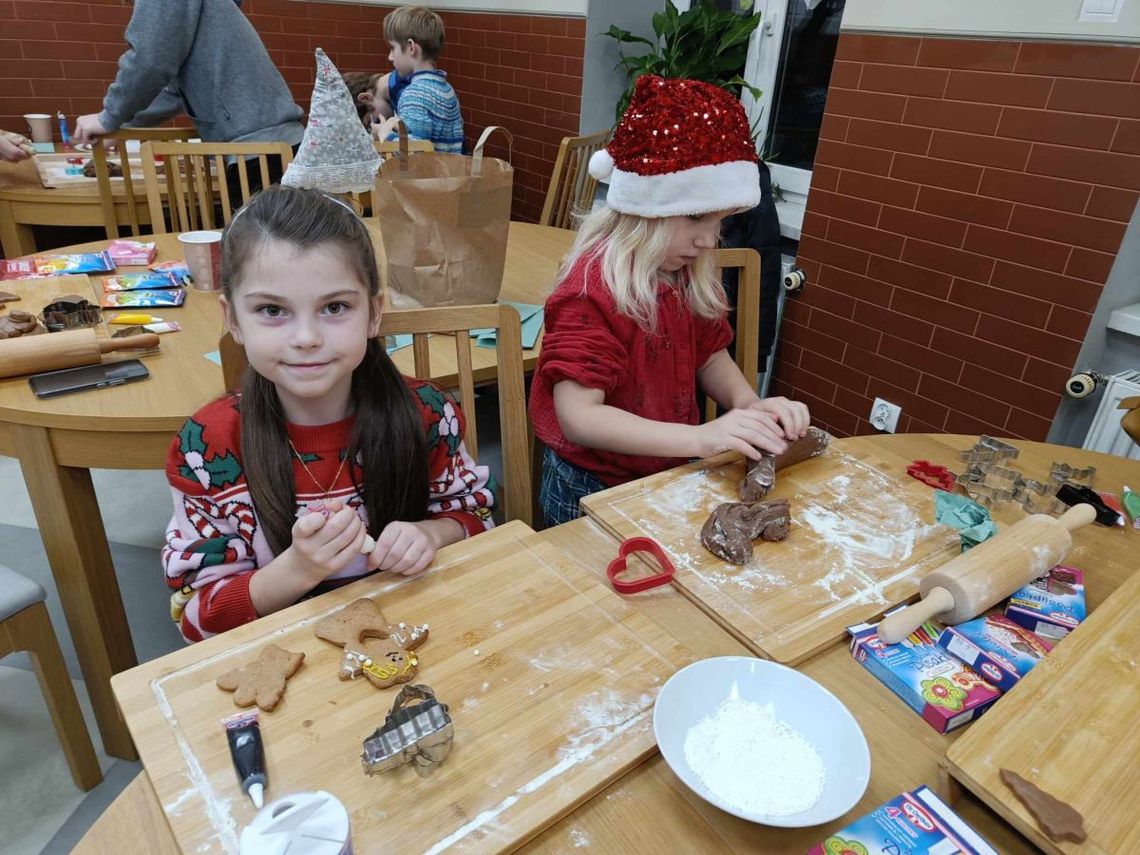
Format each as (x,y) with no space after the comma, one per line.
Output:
(443,219)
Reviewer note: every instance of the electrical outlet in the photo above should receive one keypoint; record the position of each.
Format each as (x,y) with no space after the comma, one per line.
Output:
(885,415)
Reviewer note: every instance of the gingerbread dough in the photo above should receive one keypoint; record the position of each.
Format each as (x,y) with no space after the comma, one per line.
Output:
(379,650)
(761,475)
(262,682)
(114,170)
(729,532)
(1057,819)
(17,323)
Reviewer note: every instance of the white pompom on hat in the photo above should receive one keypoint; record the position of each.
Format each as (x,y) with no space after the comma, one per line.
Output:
(683,147)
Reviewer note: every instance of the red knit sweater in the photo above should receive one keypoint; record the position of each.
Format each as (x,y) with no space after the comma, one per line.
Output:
(652,375)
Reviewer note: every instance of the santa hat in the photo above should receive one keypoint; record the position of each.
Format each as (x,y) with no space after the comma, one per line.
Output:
(683,147)
(336,154)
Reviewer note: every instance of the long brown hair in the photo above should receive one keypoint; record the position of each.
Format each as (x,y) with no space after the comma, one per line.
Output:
(387,435)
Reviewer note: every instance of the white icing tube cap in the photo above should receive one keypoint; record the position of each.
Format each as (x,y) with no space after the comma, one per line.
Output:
(257,793)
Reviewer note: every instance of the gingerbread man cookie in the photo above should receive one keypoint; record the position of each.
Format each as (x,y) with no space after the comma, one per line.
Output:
(381,651)
(262,682)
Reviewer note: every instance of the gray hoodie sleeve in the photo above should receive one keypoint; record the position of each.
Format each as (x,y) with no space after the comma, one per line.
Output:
(159,37)
(167,105)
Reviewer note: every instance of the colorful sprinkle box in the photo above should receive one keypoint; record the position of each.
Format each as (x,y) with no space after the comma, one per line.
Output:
(1051,606)
(151,280)
(914,823)
(944,691)
(999,649)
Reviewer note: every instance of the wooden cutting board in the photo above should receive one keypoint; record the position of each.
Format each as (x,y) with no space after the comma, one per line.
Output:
(862,536)
(550,678)
(1069,726)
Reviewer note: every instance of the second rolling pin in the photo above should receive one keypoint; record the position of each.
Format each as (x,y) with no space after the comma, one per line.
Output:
(31,354)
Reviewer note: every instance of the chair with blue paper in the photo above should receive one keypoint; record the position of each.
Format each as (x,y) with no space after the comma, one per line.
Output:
(461,323)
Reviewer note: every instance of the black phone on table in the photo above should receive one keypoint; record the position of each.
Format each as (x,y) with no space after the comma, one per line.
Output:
(52,383)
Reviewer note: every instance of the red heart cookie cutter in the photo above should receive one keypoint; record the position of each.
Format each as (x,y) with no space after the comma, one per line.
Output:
(640,544)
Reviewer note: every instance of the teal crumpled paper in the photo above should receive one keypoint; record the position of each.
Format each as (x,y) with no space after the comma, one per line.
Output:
(971,519)
(531,317)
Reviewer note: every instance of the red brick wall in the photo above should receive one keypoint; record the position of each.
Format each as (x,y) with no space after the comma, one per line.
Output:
(967,203)
(521,71)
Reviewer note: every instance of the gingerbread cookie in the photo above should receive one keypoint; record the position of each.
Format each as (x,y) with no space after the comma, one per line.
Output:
(728,533)
(262,682)
(114,170)
(8,297)
(760,477)
(1059,820)
(379,650)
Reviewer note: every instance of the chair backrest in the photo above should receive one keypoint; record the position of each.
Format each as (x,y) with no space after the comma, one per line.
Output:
(194,180)
(571,187)
(103,172)
(457,322)
(747,332)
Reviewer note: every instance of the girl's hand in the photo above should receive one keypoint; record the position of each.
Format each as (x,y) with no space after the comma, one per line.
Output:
(793,416)
(748,431)
(403,547)
(322,546)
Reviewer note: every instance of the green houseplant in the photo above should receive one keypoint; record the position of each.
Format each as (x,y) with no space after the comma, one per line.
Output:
(704,43)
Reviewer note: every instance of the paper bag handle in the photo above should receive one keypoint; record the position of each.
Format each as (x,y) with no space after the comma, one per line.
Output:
(477,152)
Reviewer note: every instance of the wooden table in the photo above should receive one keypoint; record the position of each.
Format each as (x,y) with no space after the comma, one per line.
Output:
(59,440)
(650,809)
(25,202)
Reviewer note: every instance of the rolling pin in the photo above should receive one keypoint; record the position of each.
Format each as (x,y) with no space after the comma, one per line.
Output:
(30,354)
(966,586)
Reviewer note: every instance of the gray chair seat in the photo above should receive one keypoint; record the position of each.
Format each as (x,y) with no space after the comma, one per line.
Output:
(17,592)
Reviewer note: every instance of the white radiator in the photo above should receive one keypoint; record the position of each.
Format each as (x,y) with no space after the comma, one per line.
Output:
(1106,434)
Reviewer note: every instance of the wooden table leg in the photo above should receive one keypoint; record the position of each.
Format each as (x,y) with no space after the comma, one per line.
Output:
(16,238)
(71,527)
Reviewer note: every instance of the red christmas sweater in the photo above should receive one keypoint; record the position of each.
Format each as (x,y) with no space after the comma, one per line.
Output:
(214,542)
(649,374)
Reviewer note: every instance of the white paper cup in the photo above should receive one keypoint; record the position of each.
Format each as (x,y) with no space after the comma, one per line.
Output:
(203,251)
(39,126)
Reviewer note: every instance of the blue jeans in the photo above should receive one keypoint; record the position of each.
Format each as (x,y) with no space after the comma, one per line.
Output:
(563,486)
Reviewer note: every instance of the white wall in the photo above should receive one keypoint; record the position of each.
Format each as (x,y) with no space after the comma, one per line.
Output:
(603,80)
(570,8)
(990,18)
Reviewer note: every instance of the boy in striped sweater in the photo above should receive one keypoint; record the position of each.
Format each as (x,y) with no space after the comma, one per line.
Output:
(416,91)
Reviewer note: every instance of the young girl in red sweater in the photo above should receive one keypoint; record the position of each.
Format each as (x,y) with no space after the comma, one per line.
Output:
(323,415)
(637,320)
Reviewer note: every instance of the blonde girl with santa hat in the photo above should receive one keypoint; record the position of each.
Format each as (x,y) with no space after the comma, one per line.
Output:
(637,322)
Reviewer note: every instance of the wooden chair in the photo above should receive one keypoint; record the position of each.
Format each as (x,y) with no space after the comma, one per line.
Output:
(746,336)
(25,625)
(195,180)
(458,321)
(571,189)
(103,172)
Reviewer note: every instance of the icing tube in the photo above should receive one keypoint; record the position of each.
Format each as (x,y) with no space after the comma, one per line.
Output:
(248,754)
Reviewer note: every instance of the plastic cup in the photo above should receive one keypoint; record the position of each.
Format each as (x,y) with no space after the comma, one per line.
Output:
(39,125)
(203,251)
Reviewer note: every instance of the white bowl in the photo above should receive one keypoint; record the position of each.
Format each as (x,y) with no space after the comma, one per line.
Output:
(695,692)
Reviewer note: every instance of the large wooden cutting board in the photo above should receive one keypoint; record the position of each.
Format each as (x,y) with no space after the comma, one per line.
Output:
(862,536)
(550,678)
(1070,728)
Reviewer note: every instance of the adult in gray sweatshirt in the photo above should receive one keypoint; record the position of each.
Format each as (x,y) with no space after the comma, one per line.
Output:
(211,55)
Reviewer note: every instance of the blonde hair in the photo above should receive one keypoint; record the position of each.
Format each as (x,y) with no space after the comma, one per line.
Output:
(631,250)
(421,25)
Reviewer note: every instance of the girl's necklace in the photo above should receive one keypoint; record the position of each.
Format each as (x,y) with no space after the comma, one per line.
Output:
(301,460)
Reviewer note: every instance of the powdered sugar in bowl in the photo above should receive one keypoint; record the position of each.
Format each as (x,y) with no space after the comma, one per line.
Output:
(761,741)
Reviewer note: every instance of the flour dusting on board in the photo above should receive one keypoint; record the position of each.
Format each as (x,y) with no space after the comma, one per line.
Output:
(608,717)
(853,533)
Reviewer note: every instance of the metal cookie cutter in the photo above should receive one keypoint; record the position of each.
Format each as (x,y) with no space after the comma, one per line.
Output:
(421,734)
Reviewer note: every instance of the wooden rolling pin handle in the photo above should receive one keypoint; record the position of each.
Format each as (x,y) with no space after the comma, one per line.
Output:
(1078,516)
(143,341)
(895,627)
